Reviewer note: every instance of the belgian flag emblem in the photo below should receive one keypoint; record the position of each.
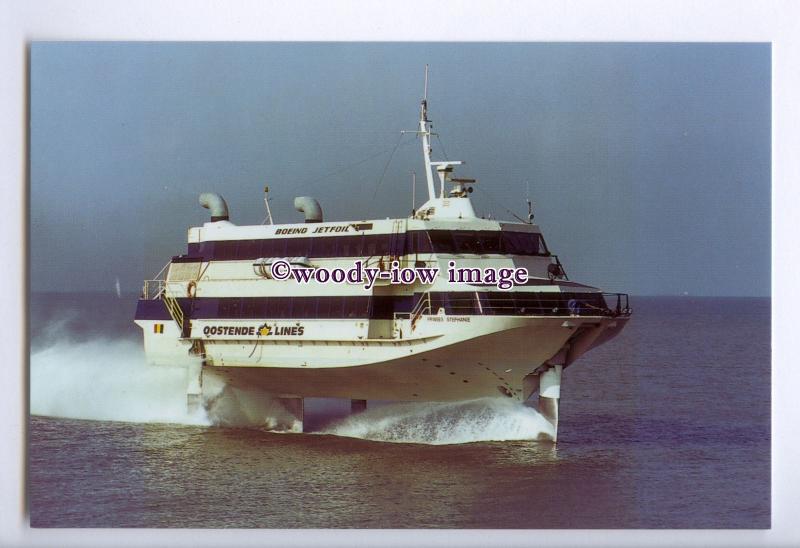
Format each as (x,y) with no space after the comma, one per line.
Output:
(158,328)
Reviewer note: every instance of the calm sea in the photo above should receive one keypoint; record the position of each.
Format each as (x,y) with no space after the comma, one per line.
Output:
(667,426)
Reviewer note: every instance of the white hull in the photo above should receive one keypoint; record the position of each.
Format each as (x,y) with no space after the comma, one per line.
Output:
(444,360)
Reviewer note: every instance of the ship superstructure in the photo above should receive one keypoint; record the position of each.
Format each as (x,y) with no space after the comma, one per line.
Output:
(440,341)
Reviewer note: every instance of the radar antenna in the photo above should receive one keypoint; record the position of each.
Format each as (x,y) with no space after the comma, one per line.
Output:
(528,200)
(266,203)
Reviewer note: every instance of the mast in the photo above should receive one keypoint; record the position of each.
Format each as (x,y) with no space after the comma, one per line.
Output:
(413,192)
(266,203)
(426,138)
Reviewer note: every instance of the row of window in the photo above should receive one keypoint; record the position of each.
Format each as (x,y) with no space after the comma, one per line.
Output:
(383,307)
(509,303)
(455,242)
(361,307)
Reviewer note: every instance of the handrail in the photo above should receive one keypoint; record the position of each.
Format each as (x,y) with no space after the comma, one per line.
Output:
(536,304)
(161,273)
(174,310)
(153,289)
(423,305)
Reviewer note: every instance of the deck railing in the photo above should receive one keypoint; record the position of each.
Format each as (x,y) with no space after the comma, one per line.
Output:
(522,304)
(154,289)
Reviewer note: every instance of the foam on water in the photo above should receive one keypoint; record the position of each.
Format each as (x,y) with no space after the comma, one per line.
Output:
(110,380)
(484,419)
(107,380)
(228,406)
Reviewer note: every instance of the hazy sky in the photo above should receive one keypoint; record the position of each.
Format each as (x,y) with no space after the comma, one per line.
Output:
(649,164)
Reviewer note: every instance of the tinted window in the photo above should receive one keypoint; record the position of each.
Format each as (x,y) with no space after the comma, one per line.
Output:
(442,241)
(503,303)
(382,307)
(273,248)
(422,242)
(522,243)
(324,307)
(526,303)
(226,250)
(370,246)
(281,307)
(483,242)
(356,307)
(487,242)
(350,246)
(460,304)
(335,304)
(296,247)
(465,242)
(248,249)
(305,307)
(250,308)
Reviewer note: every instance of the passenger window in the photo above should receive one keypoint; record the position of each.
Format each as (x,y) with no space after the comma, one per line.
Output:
(282,307)
(465,242)
(276,248)
(249,309)
(335,307)
(324,307)
(442,241)
(542,246)
(423,243)
(295,247)
(370,246)
(305,307)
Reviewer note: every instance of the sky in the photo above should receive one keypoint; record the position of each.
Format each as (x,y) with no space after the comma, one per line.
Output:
(648,164)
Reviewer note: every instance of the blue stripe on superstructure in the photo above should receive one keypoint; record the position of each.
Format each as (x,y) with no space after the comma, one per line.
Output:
(151,310)
(506,303)
(459,242)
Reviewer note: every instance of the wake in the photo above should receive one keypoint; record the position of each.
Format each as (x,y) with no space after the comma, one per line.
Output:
(110,380)
(484,419)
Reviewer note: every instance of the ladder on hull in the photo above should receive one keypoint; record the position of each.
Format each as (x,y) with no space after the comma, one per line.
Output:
(176,313)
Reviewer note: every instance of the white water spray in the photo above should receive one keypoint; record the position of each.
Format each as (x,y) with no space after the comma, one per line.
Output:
(107,380)
(110,380)
(229,406)
(485,419)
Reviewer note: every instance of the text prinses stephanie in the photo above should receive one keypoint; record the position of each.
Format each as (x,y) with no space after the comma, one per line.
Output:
(503,278)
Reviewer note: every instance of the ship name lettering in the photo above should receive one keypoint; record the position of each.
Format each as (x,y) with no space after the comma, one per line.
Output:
(290,330)
(325,229)
(211,330)
(229,330)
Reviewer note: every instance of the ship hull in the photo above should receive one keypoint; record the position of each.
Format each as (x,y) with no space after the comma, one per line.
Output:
(441,361)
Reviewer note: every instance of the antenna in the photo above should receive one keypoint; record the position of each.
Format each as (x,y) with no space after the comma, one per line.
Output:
(528,199)
(426,138)
(425,93)
(266,203)
(413,193)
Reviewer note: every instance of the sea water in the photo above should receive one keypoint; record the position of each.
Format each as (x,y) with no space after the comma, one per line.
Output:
(667,425)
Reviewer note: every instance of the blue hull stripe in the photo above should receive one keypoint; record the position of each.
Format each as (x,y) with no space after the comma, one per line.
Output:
(505,303)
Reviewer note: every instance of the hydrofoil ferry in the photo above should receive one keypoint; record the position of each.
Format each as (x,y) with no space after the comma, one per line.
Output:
(219,306)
